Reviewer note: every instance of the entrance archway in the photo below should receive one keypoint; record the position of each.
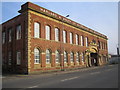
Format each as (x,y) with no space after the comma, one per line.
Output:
(94,59)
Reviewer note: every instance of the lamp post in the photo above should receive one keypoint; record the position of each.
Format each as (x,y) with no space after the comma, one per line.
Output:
(62,65)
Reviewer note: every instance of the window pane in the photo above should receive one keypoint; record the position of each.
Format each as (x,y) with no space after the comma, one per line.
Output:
(36,56)
(71,38)
(18,32)
(36,30)
(18,58)
(9,35)
(47,56)
(47,32)
(65,57)
(3,37)
(64,36)
(9,62)
(56,34)
(76,39)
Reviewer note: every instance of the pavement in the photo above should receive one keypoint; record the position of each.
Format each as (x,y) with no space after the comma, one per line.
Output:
(93,77)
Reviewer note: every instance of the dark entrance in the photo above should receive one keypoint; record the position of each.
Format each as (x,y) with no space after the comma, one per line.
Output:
(94,60)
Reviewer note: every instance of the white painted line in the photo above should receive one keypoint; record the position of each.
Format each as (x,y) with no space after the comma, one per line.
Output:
(94,73)
(69,79)
(33,87)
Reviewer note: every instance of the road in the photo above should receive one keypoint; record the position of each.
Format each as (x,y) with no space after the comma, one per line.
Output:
(94,77)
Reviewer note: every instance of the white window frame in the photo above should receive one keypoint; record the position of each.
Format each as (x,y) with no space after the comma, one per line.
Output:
(57,56)
(64,36)
(48,57)
(56,34)
(36,30)
(71,38)
(3,37)
(18,36)
(36,56)
(18,57)
(47,29)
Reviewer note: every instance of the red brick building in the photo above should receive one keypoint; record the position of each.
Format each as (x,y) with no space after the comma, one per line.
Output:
(40,40)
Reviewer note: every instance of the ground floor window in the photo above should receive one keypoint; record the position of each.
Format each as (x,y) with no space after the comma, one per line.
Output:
(48,56)
(71,57)
(18,57)
(9,58)
(36,56)
(65,56)
(57,56)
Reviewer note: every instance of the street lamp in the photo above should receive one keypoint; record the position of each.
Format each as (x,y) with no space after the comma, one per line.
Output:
(62,66)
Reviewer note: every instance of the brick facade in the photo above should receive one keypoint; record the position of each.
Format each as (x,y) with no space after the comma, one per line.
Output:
(31,13)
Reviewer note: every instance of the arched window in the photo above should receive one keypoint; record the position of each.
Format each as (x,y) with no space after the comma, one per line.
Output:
(48,56)
(65,56)
(56,34)
(47,28)
(77,57)
(57,56)
(36,30)
(36,56)
(71,57)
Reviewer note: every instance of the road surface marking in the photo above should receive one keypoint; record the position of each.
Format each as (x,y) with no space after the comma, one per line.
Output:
(94,73)
(33,87)
(69,79)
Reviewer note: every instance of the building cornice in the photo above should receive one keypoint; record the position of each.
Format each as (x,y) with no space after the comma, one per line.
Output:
(30,6)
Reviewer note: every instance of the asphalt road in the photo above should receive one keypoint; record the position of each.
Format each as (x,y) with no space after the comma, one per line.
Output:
(94,77)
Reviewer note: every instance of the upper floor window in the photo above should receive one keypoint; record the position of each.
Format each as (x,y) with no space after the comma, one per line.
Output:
(64,36)
(18,57)
(71,56)
(47,28)
(18,32)
(86,40)
(65,56)
(56,34)
(3,37)
(77,57)
(9,56)
(76,39)
(48,56)
(71,38)
(10,32)
(82,41)
(57,56)
(36,30)
(36,56)
(99,44)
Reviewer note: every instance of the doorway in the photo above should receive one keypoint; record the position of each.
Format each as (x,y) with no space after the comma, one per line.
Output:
(94,59)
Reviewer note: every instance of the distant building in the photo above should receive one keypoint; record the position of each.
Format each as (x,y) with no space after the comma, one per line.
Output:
(38,40)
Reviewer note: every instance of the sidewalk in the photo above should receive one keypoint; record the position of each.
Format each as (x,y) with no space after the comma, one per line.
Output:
(50,73)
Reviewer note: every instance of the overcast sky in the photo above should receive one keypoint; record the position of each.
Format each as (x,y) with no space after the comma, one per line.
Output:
(99,16)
